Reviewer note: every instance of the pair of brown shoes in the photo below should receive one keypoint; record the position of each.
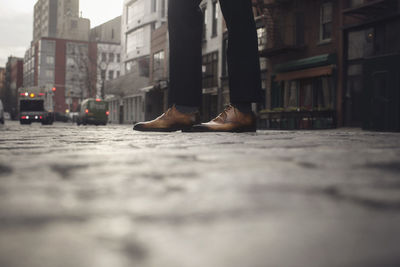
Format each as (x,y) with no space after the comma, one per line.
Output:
(230,120)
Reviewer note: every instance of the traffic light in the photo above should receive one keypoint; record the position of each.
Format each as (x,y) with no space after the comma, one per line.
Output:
(54,89)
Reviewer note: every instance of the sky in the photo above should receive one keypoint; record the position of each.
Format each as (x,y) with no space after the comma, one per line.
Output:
(16,19)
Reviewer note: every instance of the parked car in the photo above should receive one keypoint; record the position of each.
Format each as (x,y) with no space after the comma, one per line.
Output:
(93,111)
(1,112)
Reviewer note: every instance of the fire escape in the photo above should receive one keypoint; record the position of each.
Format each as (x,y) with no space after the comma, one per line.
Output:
(280,35)
(371,10)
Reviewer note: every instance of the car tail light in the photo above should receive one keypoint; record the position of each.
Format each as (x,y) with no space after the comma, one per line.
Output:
(41,117)
(23,117)
(86,111)
(41,94)
(22,94)
(98,100)
(108,113)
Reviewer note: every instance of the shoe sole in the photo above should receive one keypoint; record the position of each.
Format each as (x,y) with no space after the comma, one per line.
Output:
(208,130)
(170,130)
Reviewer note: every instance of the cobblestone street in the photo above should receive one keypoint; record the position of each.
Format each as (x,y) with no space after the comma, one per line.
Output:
(109,197)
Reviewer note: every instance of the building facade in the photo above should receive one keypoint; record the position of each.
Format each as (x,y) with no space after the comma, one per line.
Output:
(13,80)
(299,43)
(133,91)
(106,41)
(59,19)
(213,55)
(65,65)
(2,82)
(371,52)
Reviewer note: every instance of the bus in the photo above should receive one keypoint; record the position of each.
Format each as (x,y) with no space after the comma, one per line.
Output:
(93,111)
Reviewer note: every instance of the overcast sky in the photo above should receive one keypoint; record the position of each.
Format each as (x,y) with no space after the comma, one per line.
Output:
(16,18)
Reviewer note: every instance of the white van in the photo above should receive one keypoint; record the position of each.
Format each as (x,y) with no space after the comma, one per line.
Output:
(1,112)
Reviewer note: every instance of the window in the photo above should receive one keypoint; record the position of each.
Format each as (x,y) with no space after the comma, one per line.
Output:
(118,58)
(111,57)
(214,19)
(118,74)
(134,40)
(103,57)
(326,21)
(135,11)
(163,11)
(111,75)
(74,24)
(50,60)
(360,44)
(210,70)
(262,38)
(70,62)
(204,9)
(153,6)
(49,73)
(158,65)
(300,29)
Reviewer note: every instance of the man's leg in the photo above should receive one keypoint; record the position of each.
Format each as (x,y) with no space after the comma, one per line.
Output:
(243,68)
(185,21)
(185,35)
(242,55)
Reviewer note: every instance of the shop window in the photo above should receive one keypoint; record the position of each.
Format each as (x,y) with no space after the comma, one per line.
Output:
(210,70)
(277,95)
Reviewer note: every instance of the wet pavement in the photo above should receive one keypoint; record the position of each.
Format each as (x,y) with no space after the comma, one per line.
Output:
(111,197)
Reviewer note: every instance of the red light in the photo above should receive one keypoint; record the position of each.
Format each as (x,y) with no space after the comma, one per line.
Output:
(41,94)
(108,113)
(54,89)
(98,99)
(86,111)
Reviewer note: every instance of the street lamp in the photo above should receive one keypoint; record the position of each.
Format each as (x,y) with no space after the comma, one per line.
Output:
(103,68)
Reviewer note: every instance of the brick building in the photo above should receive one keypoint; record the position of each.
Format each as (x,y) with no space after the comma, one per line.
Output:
(67,65)
(13,81)
(371,52)
(2,82)
(299,44)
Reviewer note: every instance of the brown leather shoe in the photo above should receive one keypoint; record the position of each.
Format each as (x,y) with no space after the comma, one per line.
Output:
(230,120)
(172,120)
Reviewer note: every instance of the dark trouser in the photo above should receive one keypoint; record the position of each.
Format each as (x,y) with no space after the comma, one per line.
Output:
(185,33)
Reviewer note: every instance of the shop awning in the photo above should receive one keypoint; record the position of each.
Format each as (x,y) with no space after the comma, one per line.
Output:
(304,74)
(306,63)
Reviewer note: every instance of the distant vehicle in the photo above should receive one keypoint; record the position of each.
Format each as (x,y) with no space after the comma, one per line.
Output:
(93,111)
(36,105)
(1,112)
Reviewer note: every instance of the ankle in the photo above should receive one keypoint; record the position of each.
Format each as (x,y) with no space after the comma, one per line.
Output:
(186,109)
(244,107)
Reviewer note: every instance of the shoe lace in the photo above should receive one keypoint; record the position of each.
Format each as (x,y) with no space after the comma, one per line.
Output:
(224,114)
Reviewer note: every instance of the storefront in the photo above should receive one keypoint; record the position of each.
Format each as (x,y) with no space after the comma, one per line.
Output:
(303,94)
